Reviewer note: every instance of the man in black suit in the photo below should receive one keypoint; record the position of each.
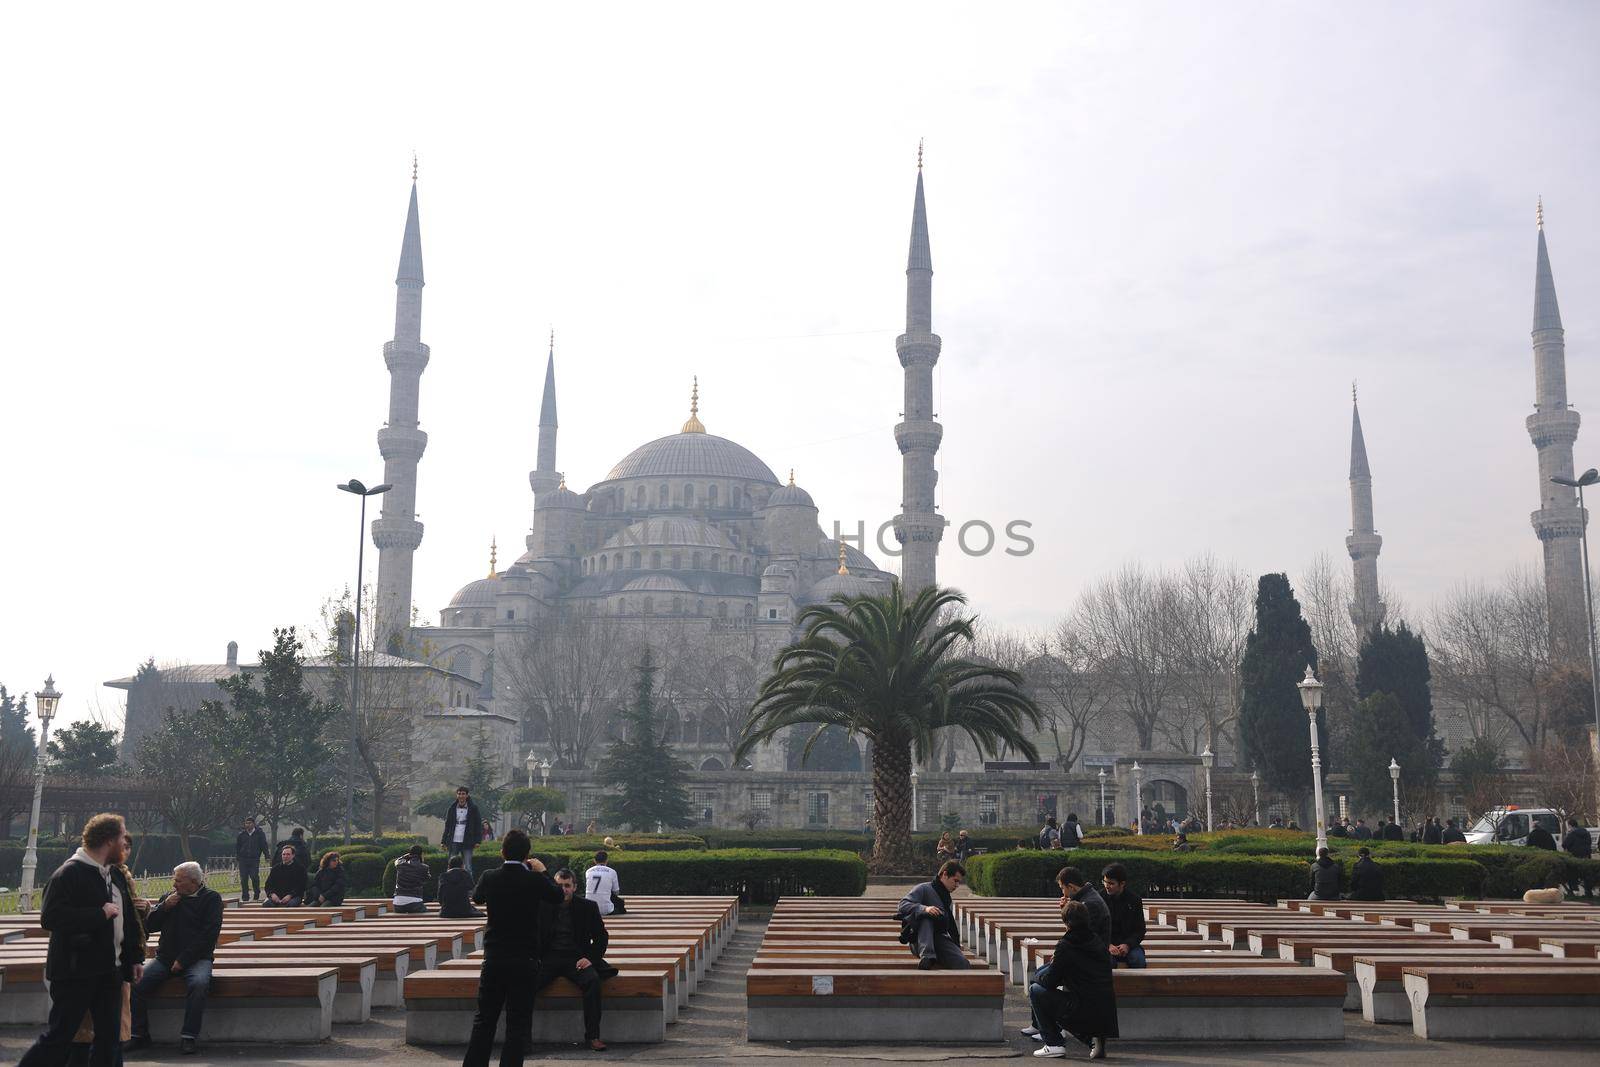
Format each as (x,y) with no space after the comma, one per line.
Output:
(463,828)
(572,940)
(189,919)
(511,894)
(94,948)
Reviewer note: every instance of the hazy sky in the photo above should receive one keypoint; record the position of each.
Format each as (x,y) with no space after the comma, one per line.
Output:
(1166,238)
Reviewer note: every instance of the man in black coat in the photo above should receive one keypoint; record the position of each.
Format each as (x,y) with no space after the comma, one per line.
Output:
(1452,835)
(1362,832)
(249,848)
(572,942)
(511,894)
(1366,877)
(463,828)
(1074,886)
(189,919)
(1431,834)
(928,922)
(1392,832)
(1127,919)
(1539,837)
(1576,842)
(94,948)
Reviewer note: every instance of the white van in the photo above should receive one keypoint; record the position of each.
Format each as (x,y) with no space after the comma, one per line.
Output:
(1510,826)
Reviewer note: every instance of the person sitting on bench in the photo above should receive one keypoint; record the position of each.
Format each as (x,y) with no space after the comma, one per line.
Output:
(1127,918)
(286,883)
(1366,877)
(327,888)
(928,923)
(1073,992)
(410,881)
(455,891)
(190,920)
(572,940)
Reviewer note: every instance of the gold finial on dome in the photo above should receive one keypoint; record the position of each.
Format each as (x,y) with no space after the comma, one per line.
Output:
(842,568)
(694,425)
(791,477)
(1538,213)
(563,484)
(493,558)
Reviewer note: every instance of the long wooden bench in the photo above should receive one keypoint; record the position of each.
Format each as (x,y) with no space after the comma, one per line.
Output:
(440,1006)
(1464,1003)
(820,1003)
(1285,1002)
(253,1004)
(1380,975)
(352,996)
(392,964)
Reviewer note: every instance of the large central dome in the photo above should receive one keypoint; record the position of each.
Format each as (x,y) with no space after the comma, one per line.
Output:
(692,455)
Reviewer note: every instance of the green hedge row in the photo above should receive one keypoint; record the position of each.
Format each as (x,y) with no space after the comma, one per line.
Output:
(156,853)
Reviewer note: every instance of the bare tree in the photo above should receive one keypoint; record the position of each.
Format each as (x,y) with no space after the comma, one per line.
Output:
(1069,688)
(1565,775)
(569,675)
(713,679)
(1214,610)
(1491,649)
(1127,620)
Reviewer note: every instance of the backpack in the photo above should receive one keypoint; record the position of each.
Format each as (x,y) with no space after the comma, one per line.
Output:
(1048,837)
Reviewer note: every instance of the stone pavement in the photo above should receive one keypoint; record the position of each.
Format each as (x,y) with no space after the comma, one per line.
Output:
(711,1029)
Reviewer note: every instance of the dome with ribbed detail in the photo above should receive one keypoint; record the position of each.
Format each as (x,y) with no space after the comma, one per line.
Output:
(692,455)
(843,585)
(670,533)
(656,583)
(478,594)
(791,496)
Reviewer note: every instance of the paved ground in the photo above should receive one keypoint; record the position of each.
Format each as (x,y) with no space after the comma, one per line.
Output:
(712,1029)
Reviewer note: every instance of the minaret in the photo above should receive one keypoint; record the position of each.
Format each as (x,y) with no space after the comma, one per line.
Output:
(1554,427)
(918,527)
(396,532)
(1366,610)
(544,476)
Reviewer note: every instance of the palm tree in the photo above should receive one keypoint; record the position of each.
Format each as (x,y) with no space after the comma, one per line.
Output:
(892,672)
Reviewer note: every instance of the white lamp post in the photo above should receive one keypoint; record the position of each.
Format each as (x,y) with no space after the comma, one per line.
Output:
(913,800)
(45,703)
(1208,758)
(1311,697)
(1100,820)
(544,772)
(532,763)
(1394,781)
(1255,788)
(1138,798)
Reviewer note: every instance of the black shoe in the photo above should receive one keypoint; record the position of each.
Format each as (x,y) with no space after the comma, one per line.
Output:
(136,1042)
(187,1047)
(927,963)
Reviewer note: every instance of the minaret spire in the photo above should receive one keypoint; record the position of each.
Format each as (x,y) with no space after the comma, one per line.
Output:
(396,532)
(918,527)
(544,477)
(1553,426)
(1366,609)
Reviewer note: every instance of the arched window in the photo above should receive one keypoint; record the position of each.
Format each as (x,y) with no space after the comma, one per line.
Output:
(461,663)
(688,496)
(655,561)
(649,605)
(733,496)
(716,561)
(636,561)
(749,611)
(602,563)
(711,495)
(663,495)
(616,562)
(722,610)
(747,564)
(695,561)
(712,763)
(677,561)
(638,498)
(699,607)
(677,605)
(477,618)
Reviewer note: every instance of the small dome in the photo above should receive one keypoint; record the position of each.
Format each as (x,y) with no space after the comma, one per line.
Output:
(671,533)
(842,585)
(854,558)
(478,594)
(790,496)
(656,583)
(562,497)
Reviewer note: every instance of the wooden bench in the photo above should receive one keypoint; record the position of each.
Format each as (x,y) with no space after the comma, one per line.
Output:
(1465,1003)
(253,1004)
(1562,946)
(821,1003)
(440,1006)
(352,996)
(23,998)
(392,964)
(1381,974)
(1285,1002)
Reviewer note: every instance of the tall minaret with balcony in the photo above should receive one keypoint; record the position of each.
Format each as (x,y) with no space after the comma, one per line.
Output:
(1554,427)
(1366,609)
(396,532)
(918,527)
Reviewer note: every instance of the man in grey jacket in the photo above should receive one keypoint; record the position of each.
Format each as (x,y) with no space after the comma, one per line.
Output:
(928,923)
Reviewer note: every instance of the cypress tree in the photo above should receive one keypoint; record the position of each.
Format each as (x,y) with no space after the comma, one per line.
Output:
(1395,661)
(1273,730)
(650,780)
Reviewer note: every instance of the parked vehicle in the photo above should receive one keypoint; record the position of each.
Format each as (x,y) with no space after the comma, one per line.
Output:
(1511,825)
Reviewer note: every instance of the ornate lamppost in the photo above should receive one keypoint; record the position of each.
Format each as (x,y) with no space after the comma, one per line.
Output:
(1138,798)
(1394,781)
(532,763)
(913,800)
(1255,788)
(45,703)
(1207,759)
(1101,818)
(1311,697)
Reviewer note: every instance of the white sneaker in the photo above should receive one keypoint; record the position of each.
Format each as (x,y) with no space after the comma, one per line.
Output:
(1050,1052)
(1029,1031)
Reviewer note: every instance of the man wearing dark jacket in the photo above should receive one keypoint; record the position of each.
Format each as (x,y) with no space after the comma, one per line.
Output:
(1366,878)
(928,922)
(1431,834)
(1452,835)
(1326,877)
(572,942)
(1362,832)
(1576,842)
(94,948)
(1539,837)
(1127,918)
(1392,832)
(455,892)
(249,848)
(463,828)
(511,894)
(1074,886)
(189,919)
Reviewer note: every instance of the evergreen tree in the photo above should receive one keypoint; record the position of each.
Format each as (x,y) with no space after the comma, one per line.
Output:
(274,734)
(1273,731)
(482,780)
(1395,661)
(195,785)
(15,728)
(84,748)
(650,780)
(1380,732)
(18,753)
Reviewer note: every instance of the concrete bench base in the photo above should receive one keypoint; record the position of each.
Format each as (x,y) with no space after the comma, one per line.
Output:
(448,1021)
(25,1004)
(916,1019)
(268,1019)
(1457,1017)
(1230,1018)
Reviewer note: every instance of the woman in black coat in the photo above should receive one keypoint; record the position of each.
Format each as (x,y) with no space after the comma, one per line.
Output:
(1086,1005)
(327,888)
(286,884)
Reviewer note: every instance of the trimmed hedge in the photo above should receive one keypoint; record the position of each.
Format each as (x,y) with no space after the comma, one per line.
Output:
(156,853)
(620,842)
(753,876)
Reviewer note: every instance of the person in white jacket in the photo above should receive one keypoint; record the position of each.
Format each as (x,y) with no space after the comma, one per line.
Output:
(600,884)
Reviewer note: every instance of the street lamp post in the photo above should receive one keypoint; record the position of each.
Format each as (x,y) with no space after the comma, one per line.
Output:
(1311,697)
(1589,477)
(45,703)
(1394,779)
(1138,798)
(1101,819)
(1255,788)
(360,490)
(913,800)
(532,763)
(1208,758)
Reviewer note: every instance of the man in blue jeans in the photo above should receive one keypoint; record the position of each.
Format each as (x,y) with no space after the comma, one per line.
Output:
(1127,918)
(189,919)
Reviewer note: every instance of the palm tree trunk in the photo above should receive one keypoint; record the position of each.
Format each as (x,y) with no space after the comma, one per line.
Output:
(891,802)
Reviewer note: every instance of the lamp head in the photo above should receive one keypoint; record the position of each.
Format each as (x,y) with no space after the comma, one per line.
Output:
(532,761)
(354,486)
(1102,774)
(1208,757)
(1310,691)
(1255,778)
(384,488)
(1394,769)
(47,700)
(1589,477)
